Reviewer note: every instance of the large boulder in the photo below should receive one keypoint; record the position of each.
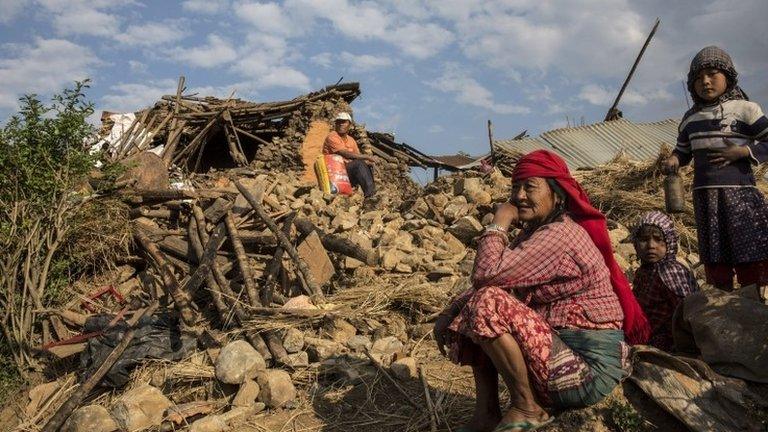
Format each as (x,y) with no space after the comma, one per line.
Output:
(277,389)
(140,408)
(466,229)
(145,171)
(293,341)
(90,418)
(237,362)
(247,394)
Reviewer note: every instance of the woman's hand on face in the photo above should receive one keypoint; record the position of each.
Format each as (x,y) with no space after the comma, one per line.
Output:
(724,156)
(505,215)
(440,331)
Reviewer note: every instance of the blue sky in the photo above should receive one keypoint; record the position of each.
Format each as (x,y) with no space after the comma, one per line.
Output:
(432,72)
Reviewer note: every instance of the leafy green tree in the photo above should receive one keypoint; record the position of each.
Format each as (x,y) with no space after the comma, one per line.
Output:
(50,217)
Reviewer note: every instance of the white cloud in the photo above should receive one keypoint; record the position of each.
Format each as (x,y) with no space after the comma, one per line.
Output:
(364,62)
(468,91)
(402,27)
(596,95)
(10,9)
(153,33)
(603,96)
(419,40)
(260,53)
(137,67)
(128,97)
(85,21)
(435,129)
(83,17)
(267,17)
(209,7)
(43,68)
(560,35)
(283,76)
(216,52)
(324,59)
(264,61)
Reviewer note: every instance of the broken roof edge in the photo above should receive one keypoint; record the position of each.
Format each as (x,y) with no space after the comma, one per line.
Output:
(590,145)
(347,91)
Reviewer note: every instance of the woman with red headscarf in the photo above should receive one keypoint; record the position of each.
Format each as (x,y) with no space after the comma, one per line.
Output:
(550,312)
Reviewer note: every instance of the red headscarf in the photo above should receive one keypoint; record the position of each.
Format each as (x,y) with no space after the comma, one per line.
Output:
(543,163)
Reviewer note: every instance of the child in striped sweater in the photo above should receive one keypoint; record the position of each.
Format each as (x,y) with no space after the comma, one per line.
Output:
(724,135)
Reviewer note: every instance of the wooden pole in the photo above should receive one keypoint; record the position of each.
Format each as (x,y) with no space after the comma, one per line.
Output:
(242,260)
(273,267)
(490,135)
(210,281)
(173,136)
(180,298)
(336,243)
(314,289)
(612,111)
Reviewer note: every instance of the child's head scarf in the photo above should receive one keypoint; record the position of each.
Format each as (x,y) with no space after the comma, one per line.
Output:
(712,57)
(673,274)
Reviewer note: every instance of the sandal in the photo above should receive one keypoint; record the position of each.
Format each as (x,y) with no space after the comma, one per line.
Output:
(525,425)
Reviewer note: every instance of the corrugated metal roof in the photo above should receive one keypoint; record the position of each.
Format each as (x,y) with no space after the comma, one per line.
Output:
(595,144)
(524,145)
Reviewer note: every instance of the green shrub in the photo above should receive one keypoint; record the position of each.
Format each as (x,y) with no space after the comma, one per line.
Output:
(624,418)
(53,226)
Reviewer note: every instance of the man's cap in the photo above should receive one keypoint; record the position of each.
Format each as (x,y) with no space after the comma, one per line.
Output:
(343,116)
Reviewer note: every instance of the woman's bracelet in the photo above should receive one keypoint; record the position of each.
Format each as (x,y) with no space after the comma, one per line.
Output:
(495,227)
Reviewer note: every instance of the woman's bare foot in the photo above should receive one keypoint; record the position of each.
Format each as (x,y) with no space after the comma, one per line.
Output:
(535,415)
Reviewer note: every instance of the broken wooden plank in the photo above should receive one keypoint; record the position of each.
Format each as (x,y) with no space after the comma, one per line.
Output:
(337,244)
(242,259)
(314,289)
(181,298)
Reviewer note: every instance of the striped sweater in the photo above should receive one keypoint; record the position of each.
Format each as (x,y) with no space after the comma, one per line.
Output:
(741,122)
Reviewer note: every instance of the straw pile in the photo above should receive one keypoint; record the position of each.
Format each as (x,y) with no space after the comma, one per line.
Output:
(624,190)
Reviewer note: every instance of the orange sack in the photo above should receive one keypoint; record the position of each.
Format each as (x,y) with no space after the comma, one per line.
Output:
(332,175)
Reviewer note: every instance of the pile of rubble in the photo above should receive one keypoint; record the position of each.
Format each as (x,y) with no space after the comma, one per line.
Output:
(269,278)
(275,285)
(246,284)
(247,287)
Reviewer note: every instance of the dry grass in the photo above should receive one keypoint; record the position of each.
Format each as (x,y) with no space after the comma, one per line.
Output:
(377,299)
(624,190)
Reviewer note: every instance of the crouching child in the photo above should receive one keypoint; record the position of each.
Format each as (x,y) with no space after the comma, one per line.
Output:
(661,283)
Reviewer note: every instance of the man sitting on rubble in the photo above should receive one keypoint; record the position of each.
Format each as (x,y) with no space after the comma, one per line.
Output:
(358,165)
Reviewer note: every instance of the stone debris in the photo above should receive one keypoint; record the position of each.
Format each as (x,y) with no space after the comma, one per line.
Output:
(293,341)
(359,343)
(90,418)
(247,394)
(321,349)
(277,389)
(298,360)
(238,362)
(405,368)
(304,281)
(140,408)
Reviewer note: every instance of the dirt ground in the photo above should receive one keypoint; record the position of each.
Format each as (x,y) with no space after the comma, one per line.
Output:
(375,404)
